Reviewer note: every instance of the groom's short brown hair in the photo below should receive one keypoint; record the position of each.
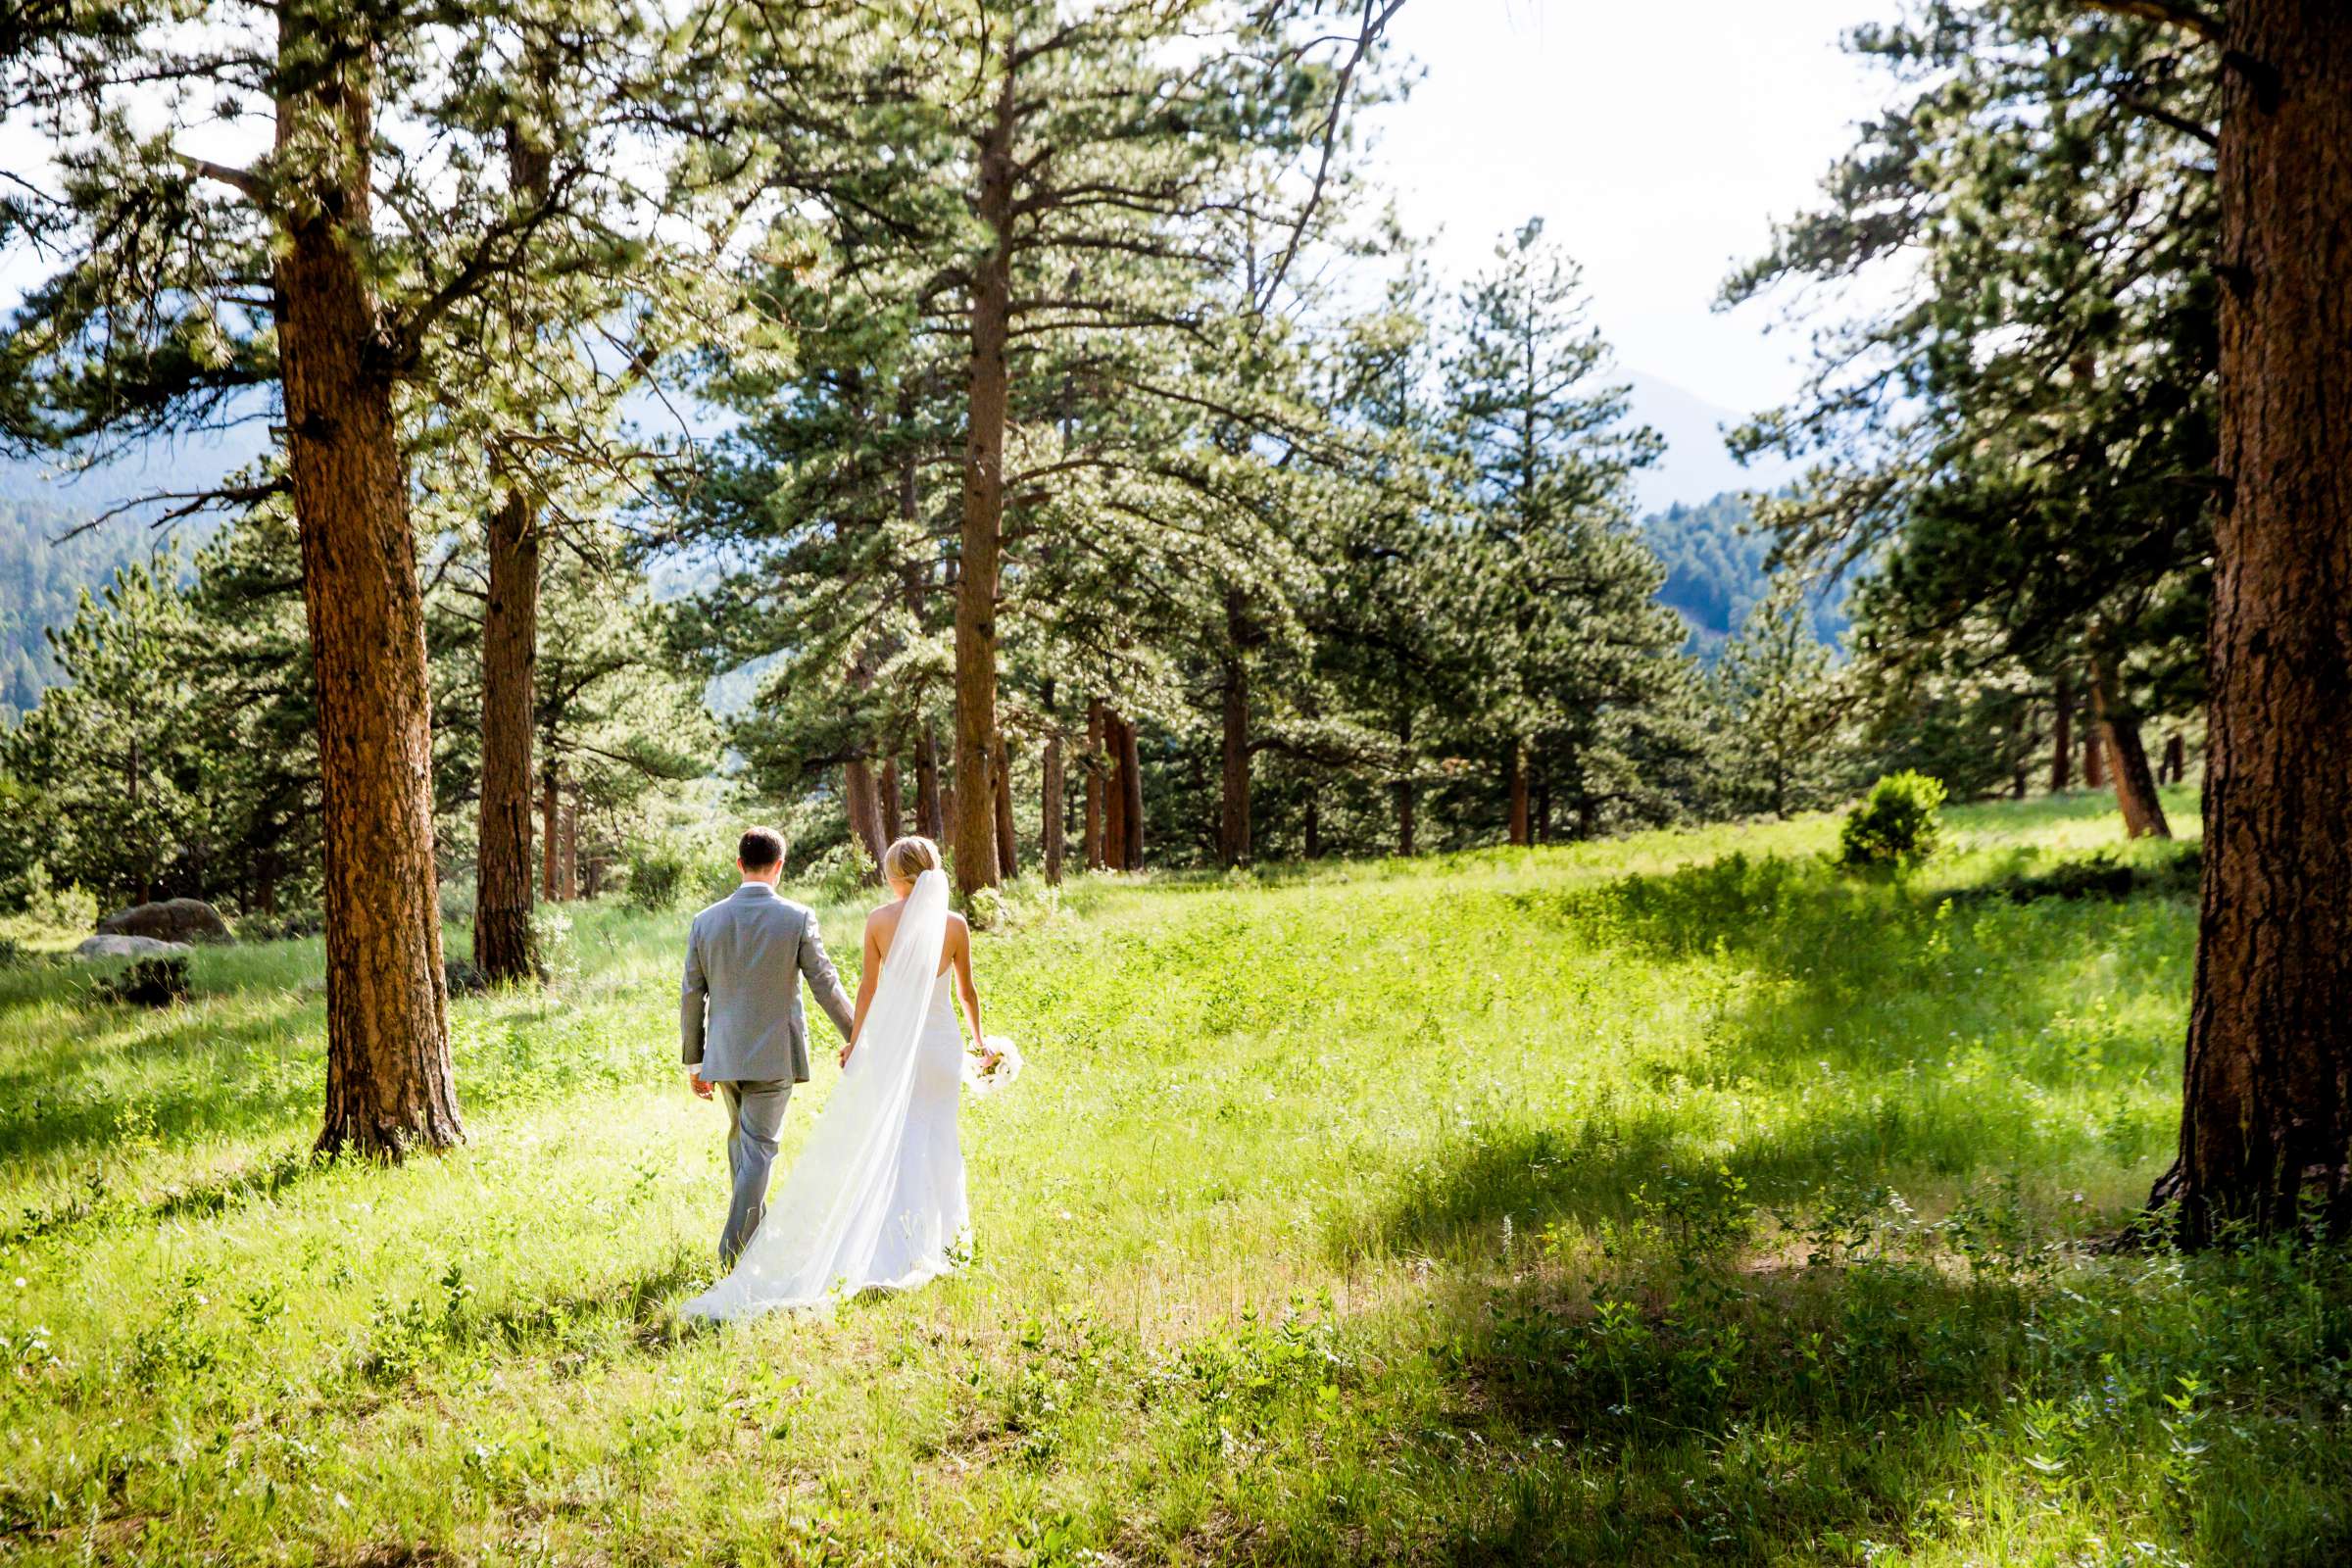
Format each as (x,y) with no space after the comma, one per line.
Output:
(759,849)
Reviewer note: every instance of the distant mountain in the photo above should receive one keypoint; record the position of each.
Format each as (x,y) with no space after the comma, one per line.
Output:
(42,575)
(1695,466)
(47,557)
(1715,571)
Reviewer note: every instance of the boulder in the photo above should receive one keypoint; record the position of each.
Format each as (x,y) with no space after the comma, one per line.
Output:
(120,946)
(172,920)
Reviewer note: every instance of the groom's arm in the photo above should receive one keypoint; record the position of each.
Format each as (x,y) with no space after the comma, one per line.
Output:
(691,998)
(824,982)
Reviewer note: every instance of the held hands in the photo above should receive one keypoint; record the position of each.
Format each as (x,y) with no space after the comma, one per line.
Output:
(846,1045)
(701,1088)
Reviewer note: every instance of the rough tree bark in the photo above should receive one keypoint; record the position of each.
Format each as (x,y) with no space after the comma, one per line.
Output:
(2094,757)
(893,811)
(2062,734)
(999,774)
(1405,791)
(2119,732)
(929,820)
(1515,769)
(1115,794)
(503,949)
(1233,815)
(389,1083)
(2267,1083)
(2175,759)
(1049,806)
(550,786)
(1131,788)
(502,900)
(863,806)
(571,842)
(984,511)
(1089,833)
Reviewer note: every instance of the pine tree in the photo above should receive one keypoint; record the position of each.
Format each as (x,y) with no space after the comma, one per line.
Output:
(2050,473)
(1054,173)
(1559,586)
(1778,683)
(189,281)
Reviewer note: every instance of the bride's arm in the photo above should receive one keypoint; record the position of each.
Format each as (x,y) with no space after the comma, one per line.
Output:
(869,968)
(964,992)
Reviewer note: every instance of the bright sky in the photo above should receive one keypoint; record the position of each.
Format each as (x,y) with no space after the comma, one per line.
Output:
(1657,139)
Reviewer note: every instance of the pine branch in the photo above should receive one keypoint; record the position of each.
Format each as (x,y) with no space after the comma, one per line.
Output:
(2172,12)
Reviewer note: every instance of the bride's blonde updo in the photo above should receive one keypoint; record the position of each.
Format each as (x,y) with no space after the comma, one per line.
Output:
(909,858)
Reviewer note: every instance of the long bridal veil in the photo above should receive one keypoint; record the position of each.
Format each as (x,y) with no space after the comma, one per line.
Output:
(822,1232)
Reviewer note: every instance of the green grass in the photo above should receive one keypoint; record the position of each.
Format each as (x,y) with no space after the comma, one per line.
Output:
(1670,1200)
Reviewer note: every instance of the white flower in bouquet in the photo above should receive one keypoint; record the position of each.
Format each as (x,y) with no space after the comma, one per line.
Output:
(995,1063)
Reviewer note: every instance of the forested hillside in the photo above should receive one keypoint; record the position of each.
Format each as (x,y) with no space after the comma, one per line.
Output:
(42,577)
(1716,577)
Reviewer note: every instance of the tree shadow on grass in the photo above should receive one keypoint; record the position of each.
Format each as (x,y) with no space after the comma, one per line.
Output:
(1677,1404)
(199,1076)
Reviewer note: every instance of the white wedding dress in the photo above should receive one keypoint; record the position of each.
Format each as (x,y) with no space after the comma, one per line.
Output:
(876,1200)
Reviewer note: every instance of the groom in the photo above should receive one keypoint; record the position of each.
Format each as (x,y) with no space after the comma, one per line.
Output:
(745,956)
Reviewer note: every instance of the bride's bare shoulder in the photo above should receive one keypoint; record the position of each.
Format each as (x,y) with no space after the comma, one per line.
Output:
(885,918)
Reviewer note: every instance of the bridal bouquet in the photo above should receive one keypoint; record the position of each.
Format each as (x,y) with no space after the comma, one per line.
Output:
(996,1064)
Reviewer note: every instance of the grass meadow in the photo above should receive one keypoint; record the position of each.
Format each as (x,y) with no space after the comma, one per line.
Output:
(1676,1198)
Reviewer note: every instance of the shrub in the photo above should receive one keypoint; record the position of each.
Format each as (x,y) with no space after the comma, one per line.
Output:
(67,909)
(1897,824)
(551,938)
(656,875)
(284,926)
(148,983)
(842,874)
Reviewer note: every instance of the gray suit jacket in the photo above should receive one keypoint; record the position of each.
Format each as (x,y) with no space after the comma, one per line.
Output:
(745,956)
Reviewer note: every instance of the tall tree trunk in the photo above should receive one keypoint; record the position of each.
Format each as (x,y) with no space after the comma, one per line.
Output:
(2094,756)
(2022,746)
(2176,759)
(1542,820)
(2267,1086)
(893,811)
(984,511)
(571,842)
(1131,786)
(389,1083)
(1404,789)
(2062,733)
(1515,768)
(2119,732)
(551,784)
(1000,779)
(1233,817)
(929,820)
(1050,809)
(1314,828)
(503,949)
(863,807)
(1115,793)
(1090,831)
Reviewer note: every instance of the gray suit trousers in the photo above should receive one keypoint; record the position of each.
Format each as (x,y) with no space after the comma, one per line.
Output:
(754,1112)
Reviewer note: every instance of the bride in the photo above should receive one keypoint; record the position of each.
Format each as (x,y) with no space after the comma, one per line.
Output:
(876,1200)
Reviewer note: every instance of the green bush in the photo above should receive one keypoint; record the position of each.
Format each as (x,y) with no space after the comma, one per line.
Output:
(1897,824)
(656,875)
(67,909)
